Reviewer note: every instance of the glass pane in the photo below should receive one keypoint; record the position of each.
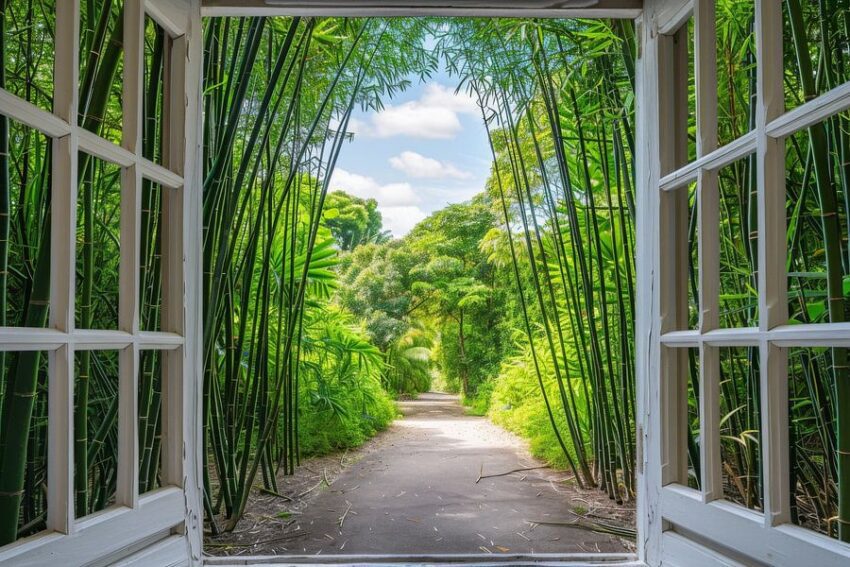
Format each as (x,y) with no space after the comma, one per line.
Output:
(101,68)
(154,117)
(692,93)
(23,472)
(694,471)
(816,48)
(150,420)
(26,281)
(740,450)
(738,245)
(95,430)
(681,208)
(29,47)
(693,258)
(150,269)
(736,69)
(817,169)
(686,34)
(98,244)
(814,424)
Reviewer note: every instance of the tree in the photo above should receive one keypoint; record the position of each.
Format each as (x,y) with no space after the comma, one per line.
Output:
(353,221)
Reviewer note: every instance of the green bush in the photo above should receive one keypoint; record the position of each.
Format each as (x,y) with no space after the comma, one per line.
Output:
(516,405)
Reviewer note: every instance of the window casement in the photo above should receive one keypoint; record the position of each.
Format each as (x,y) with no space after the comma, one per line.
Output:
(142,336)
(723,318)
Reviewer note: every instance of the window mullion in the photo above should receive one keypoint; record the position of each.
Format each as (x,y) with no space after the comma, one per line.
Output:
(772,279)
(708,242)
(173,277)
(673,223)
(63,204)
(129,293)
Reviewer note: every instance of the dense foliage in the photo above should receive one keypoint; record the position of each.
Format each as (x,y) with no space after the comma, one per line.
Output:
(521,299)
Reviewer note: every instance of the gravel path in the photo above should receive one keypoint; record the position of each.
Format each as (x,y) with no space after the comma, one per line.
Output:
(414,490)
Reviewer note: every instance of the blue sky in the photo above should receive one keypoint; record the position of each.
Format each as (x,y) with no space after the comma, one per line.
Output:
(425,149)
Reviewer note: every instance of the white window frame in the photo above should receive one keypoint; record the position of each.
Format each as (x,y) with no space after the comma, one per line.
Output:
(171,513)
(681,526)
(669,516)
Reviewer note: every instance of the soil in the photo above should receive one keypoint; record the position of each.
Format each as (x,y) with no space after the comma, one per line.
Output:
(437,481)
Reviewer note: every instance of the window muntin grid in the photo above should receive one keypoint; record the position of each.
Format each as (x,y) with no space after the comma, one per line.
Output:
(62,341)
(703,510)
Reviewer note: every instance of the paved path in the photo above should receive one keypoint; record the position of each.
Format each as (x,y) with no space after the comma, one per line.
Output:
(414,491)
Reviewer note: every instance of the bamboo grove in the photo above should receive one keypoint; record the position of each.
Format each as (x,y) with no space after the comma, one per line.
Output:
(561,137)
(523,298)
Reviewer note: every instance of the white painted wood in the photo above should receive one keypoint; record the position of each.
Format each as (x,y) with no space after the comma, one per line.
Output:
(170,552)
(159,341)
(134,522)
(191,56)
(772,278)
(161,175)
(60,442)
(671,15)
(648,304)
(716,160)
(681,339)
(745,531)
(29,339)
(30,115)
(827,334)
(812,335)
(708,243)
(470,559)
(127,489)
(104,149)
(173,258)
(810,113)
(680,551)
(673,272)
(171,15)
(711,482)
(63,232)
(460,8)
(739,337)
(133,77)
(99,537)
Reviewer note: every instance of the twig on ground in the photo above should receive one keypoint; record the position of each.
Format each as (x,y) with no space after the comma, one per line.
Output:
(344,514)
(291,535)
(598,527)
(273,493)
(311,489)
(483,476)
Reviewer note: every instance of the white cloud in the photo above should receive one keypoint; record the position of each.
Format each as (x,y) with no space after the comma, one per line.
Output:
(411,119)
(389,195)
(400,220)
(433,116)
(438,95)
(356,126)
(417,165)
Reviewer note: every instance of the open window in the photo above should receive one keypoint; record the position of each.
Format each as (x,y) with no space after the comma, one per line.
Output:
(93,340)
(741,479)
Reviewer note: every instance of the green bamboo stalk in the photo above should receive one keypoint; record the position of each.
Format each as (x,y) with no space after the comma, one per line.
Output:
(818,140)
